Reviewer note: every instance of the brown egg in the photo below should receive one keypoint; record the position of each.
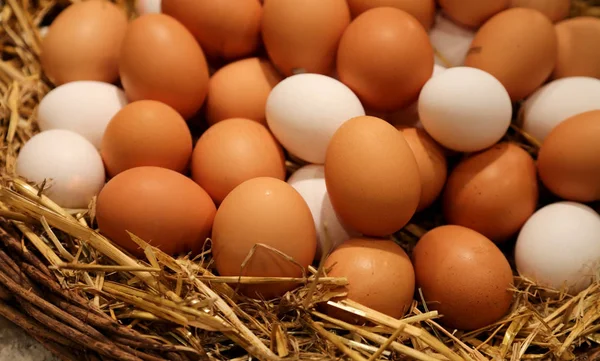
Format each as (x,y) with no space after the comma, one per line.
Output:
(492,192)
(232,152)
(372,176)
(225,29)
(472,13)
(379,273)
(385,57)
(431,160)
(578,50)
(84,42)
(267,211)
(160,206)
(555,10)
(569,159)
(423,10)
(463,276)
(161,60)
(240,90)
(518,47)
(304,34)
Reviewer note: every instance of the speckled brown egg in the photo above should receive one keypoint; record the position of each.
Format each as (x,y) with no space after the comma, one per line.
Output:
(464,276)
(569,158)
(578,50)
(84,42)
(518,46)
(385,57)
(161,60)
(472,13)
(423,10)
(493,192)
(555,10)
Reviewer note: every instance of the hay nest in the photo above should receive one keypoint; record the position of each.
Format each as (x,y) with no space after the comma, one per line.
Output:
(83,298)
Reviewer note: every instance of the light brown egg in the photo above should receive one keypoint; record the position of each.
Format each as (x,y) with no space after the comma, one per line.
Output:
(492,192)
(84,42)
(374,194)
(379,273)
(240,90)
(161,206)
(578,50)
(518,47)
(161,60)
(555,10)
(304,34)
(423,10)
(232,152)
(464,276)
(569,159)
(472,13)
(225,29)
(267,211)
(385,57)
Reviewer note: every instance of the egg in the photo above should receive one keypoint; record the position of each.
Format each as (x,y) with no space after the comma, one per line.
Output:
(147,6)
(555,10)
(472,13)
(385,57)
(270,212)
(240,90)
(463,276)
(304,110)
(578,53)
(373,194)
(493,192)
(83,43)
(160,60)
(146,133)
(225,29)
(568,160)
(473,116)
(158,205)
(450,41)
(69,163)
(233,151)
(556,101)
(517,46)
(423,10)
(380,274)
(83,106)
(303,35)
(559,247)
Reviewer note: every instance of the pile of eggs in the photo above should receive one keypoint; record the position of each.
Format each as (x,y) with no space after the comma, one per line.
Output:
(384,125)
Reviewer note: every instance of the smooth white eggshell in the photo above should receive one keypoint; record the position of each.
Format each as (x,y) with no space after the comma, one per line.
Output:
(559,246)
(450,40)
(85,107)
(465,109)
(304,110)
(148,6)
(71,165)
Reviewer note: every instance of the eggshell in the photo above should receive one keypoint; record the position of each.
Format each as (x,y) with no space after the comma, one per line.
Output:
(555,10)
(423,10)
(379,273)
(225,29)
(84,107)
(493,192)
(240,90)
(147,6)
(578,53)
(270,212)
(518,46)
(569,158)
(450,40)
(559,247)
(373,194)
(69,163)
(472,13)
(160,60)
(463,276)
(161,206)
(146,133)
(83,43)
(233,151)
(385,57)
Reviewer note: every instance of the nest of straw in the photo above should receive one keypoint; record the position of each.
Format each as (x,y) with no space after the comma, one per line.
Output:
(85,299)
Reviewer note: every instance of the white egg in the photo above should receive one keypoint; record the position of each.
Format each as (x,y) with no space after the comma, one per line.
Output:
(70,164)
(559,246)
(557,101)
(304,110)
(147,6)
(309,181)
(451,41)
(85,107)
(465,109)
